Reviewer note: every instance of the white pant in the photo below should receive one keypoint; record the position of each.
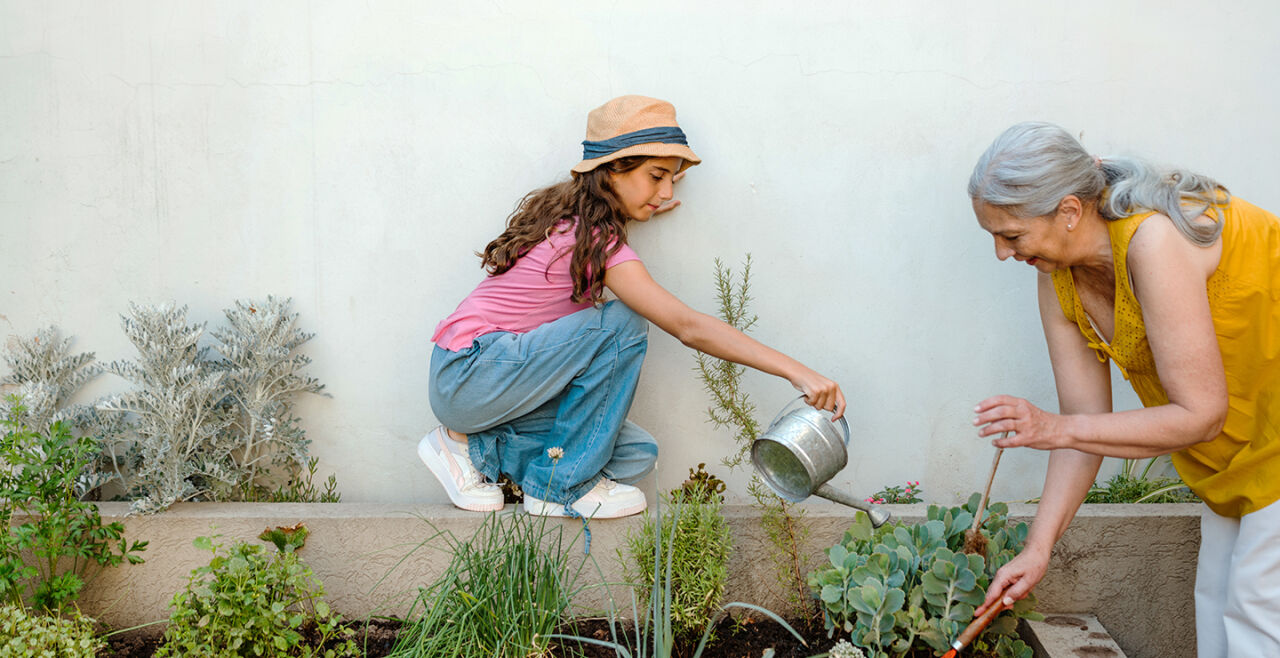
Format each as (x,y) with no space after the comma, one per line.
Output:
(1238,585)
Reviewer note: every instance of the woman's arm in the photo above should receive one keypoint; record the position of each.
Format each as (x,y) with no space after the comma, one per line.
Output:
(1169,275)
(1084,387)
(631,282)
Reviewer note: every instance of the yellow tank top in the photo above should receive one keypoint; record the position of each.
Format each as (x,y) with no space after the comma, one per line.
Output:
(1239,471)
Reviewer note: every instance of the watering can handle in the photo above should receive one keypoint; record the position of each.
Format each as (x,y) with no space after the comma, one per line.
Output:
(800,399)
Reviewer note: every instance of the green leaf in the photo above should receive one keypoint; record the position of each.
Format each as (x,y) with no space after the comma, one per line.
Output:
(837,554)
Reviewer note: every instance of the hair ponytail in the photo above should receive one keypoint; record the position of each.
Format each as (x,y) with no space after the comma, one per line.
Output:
(1183,196)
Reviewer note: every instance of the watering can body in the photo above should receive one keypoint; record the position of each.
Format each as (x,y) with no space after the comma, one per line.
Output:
(800,451)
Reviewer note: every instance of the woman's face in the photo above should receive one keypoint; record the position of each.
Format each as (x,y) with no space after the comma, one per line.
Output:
(646,187)
(1037,241)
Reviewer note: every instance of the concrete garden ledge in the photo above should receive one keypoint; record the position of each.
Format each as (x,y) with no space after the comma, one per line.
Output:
(1070,636)
(1132,566)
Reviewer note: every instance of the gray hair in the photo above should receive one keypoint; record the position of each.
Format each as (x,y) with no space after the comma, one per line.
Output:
(1032,166)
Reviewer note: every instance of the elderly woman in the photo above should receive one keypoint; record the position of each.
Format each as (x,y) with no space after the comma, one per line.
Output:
(1177,282)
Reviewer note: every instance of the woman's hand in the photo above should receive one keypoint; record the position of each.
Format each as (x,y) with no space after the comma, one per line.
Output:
(1014,580)
(1028,425)
(819,392)
(671,204)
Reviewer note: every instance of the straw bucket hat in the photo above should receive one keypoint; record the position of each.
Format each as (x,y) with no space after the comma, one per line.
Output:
(633,125)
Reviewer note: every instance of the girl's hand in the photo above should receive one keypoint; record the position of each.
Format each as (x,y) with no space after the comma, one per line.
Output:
(819,392)
(1014,580)
(671,204)
(1028,425)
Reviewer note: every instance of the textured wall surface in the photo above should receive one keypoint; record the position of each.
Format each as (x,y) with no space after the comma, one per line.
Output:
(354,155)
(1133,566)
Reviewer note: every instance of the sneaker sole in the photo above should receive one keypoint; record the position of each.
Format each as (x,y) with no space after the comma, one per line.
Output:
(441,470)
(543,508)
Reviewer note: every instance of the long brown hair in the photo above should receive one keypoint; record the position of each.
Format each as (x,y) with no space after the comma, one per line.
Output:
(600,232)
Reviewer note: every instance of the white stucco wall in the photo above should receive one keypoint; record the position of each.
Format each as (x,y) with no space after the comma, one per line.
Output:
(354,155)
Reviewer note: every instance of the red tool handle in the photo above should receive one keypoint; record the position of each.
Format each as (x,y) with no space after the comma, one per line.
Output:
(974,628)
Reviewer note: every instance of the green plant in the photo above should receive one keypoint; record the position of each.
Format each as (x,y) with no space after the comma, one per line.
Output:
(701,487)
(287,539)
(298,489)
(908,493)
(655,633)
(908,590)
(506,589)
(1131,485)
(698,551)
(1123,488)
(26,635)
(57,540)
(247,602)
(731,407)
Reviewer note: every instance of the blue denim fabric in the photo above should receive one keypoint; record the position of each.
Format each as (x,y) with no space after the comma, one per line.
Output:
(567,384)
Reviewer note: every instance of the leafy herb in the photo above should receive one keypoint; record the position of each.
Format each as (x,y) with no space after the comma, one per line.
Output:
(58,540)
(247,602)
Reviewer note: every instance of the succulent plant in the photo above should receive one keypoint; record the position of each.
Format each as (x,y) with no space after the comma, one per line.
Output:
(906,588)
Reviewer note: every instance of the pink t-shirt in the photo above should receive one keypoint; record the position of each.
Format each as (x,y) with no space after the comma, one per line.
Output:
(535,291)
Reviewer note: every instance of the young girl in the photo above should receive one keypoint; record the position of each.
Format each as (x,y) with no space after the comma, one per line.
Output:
(534,373)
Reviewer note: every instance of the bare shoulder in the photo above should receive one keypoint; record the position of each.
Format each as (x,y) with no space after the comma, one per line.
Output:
(1159,242)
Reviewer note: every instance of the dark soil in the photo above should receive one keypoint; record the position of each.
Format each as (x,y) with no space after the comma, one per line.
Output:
(747,638)
(376,637)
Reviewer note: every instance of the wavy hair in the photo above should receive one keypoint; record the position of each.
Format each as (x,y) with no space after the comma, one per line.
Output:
(1032,166)
(600,231)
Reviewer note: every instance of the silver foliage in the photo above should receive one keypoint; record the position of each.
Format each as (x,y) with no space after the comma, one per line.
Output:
(44,375)
(261,362)
(204,428)
(178,448)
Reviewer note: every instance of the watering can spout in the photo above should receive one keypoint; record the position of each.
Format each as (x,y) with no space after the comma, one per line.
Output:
(877,514)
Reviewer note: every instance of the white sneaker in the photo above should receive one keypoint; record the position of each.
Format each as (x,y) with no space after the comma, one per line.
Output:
(460,479)
(607,500)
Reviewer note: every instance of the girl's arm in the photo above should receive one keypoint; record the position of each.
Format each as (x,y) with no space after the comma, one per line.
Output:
(631,282)
(1084,387)
(1169,275)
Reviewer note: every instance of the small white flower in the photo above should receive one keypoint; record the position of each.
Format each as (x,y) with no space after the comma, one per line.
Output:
(843,649)
(555,453)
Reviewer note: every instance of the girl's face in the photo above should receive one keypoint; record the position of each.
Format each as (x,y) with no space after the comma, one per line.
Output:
(1037,241)
(643,189)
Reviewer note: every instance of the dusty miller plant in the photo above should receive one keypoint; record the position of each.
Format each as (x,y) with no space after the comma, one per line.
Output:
(205,429)
(732,407)
(179,449)
(45,375)
(261,363)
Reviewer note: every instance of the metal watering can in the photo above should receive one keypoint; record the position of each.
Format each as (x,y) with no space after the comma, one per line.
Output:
(800,451)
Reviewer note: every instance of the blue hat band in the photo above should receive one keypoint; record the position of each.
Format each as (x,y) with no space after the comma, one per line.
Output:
(664,135)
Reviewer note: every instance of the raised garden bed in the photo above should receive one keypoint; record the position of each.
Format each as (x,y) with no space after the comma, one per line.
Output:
(1112,563)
